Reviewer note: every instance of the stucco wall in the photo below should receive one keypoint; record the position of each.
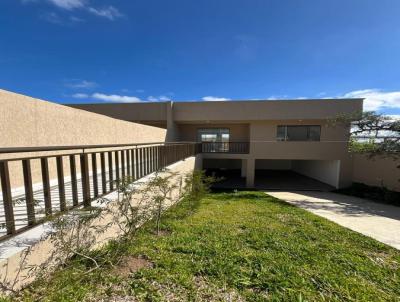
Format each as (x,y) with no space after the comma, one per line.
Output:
(30,122)
(264,110)
(266,130)
(377,171)
(326,171)
(27,121)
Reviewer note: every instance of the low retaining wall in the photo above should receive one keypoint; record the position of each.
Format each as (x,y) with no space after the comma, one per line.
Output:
(40,247)
(377,171)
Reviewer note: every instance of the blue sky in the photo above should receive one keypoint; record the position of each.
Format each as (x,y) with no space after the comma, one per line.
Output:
(72,51)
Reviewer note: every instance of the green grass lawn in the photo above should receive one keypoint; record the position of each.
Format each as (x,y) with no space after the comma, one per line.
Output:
(243,246)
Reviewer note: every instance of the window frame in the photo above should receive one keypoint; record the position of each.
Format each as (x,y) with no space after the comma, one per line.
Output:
(219,132)
(308,139)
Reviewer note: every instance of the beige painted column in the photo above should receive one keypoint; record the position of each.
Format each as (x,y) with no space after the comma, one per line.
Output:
(250,170)
(244,167)
(171,125)
(345,173)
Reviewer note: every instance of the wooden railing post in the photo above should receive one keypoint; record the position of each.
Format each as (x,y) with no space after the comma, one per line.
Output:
(137,173)
(7,197)
(30,202)
(111,170)
(117,178)
(141,162)
(128,163)
(146,156)
(61,184)
(46,185)
(133,163)
(123,165)
(85,179)
(74,182)
(94,175)
(103,173)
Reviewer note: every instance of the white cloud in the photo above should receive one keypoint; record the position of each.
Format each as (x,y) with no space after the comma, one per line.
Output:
(277,97)
(394,116)
(376,99)
(115,98)
(162,98)
(110,12)
(80,96)
(107,97)
(214,99)
(81,84)
(68,4)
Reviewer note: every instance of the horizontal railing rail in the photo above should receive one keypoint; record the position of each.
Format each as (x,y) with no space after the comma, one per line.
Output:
(81,147)
(100,172)
(225,147)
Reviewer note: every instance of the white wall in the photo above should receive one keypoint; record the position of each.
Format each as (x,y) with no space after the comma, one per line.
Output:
(326,171)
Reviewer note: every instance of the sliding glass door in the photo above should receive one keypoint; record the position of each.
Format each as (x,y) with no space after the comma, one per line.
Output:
(214,139)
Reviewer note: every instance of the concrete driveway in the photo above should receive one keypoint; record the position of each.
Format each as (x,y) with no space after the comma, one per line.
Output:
(379,221)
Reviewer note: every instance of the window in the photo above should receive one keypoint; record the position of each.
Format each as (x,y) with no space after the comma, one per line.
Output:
(299,133)
(214,139)
(213,135)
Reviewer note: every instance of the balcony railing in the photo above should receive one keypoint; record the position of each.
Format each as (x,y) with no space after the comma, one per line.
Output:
(225,147)
(100,168)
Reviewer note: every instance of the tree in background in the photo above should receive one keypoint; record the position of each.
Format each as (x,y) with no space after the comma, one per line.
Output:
(372,133)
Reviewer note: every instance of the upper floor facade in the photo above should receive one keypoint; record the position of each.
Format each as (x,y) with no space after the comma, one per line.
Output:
(271,129)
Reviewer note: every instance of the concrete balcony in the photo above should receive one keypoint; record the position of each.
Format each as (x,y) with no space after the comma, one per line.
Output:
(225,147)
(322,150)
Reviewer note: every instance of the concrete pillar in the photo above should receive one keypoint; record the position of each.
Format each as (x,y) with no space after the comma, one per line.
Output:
(250,171)
(171,125)
(345,171)
(244,167)
(198,164)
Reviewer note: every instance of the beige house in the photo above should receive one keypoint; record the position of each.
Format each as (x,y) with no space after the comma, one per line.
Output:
(283,139)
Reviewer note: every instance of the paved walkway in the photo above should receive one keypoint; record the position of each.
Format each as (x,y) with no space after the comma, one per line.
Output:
(379,221)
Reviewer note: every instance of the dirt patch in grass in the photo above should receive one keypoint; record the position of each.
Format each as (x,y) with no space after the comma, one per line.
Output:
(131,264)
(383,259)
(118,299)
(162,233)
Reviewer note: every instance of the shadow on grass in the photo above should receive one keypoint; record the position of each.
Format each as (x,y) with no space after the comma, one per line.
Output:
(250,195)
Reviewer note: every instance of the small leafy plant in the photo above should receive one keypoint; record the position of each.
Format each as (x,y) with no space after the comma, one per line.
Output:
(159,190)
